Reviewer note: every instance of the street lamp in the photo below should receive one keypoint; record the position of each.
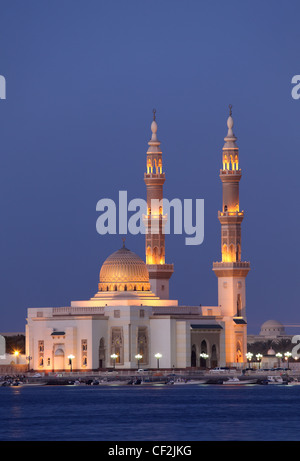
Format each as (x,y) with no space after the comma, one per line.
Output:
(249,356)
(158,356)
(259,357)
(114,357)
(204,356)
(16,354)
(287,356)
(71,357)
(279,356)
(138,358)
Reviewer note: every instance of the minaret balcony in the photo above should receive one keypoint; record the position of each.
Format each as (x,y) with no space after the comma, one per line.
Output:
(231,172)
(231,269)
(230,213)
(154,175)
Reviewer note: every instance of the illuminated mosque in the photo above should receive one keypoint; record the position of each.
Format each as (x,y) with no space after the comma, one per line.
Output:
(131,318)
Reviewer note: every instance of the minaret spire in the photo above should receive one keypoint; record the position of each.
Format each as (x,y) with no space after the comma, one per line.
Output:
(159,272)
(232,271)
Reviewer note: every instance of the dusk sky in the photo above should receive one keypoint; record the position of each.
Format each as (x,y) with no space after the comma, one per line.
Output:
(82,79)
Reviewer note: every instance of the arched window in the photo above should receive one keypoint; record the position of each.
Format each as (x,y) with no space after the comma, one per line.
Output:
(193,356)
(203,350)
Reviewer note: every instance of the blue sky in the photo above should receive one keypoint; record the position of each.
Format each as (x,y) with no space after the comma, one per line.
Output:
(82,80)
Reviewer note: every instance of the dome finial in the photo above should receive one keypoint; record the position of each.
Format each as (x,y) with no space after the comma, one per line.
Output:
(123,240)
(230,110)
(154,112)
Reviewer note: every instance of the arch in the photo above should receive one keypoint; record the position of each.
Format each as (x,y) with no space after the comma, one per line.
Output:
(155,256)
(193,356)
(214,357)
(239,356)
(162,256)
(224,253)
(116,288)
(239,305)
(160,166)
(232,254)
(59,359)
(148,255)
(203,349)
(102,353)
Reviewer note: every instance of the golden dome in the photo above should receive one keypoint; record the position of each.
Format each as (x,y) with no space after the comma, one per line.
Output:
(124,271)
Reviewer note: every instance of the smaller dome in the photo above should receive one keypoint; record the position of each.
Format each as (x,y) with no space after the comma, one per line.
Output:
(271,351)
(272,328)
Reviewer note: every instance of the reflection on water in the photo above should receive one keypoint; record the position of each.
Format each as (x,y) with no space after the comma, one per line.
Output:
(178,413)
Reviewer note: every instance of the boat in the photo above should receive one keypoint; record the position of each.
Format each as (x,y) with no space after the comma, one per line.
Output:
(190,381)
(275,380)
(237,381)
(293,382)
(79,383)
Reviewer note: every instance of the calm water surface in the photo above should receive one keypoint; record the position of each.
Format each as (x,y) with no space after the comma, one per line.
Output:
(155,413)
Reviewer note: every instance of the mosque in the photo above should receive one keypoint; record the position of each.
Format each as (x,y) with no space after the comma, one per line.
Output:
(131,321)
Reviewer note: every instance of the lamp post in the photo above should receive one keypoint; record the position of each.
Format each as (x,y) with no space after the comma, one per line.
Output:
(204,356)
(158,356)
(71,357)
(249,356)
(287,355)
(28,358)
(279,356)
(114,357)
(259,357)
(16,354)
(138,358)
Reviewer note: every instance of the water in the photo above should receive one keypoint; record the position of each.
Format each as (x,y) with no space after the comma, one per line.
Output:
(154,413)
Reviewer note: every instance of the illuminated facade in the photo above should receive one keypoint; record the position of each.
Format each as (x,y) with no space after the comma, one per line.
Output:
(131,313)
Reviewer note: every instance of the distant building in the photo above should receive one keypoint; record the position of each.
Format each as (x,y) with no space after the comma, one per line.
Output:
(270,330)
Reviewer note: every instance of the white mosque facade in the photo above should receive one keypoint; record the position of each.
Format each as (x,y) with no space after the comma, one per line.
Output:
(131,318)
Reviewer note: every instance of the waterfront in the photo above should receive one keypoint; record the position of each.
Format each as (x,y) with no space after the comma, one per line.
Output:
(153,413)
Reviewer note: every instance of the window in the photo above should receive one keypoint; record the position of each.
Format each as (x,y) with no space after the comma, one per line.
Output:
(117,314)
(142,313)
(84,352)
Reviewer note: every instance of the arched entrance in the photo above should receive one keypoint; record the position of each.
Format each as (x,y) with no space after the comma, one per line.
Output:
(193,356)
(214,357)
(203,351)
(59,360)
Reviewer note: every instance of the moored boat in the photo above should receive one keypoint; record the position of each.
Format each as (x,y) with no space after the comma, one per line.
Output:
(237,381)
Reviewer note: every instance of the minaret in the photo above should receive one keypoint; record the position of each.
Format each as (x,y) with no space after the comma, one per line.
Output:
(232,271)
(159,271)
